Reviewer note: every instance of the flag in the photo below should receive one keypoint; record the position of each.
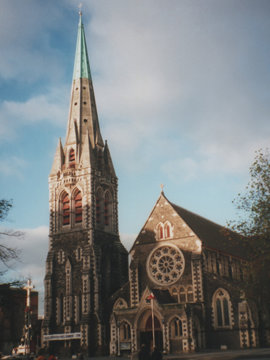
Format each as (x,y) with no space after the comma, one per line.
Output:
(150,297)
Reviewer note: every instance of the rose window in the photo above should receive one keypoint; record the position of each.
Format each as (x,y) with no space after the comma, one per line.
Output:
(165,264)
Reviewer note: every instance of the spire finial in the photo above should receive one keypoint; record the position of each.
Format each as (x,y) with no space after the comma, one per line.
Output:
(162,187)
(80,9)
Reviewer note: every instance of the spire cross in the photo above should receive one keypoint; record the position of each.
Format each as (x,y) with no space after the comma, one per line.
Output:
(162,187)
(28,289)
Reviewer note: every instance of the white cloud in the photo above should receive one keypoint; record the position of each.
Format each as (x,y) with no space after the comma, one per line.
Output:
(181,170)
(127,240)
(29,53)
(51,107)
(173,71)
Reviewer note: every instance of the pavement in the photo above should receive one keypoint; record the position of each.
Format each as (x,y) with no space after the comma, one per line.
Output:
(245,354)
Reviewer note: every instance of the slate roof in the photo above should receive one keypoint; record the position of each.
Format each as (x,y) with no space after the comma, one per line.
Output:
(212,235)
(123,292)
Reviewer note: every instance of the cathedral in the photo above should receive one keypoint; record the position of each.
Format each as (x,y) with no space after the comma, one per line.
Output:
(86,261)
(183,287)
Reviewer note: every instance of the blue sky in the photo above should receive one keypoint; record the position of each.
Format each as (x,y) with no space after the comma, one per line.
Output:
(183,96)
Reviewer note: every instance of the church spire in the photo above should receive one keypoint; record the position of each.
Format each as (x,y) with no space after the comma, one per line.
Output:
(83,117)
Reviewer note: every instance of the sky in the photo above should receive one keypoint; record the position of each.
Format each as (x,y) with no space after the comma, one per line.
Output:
(183,96)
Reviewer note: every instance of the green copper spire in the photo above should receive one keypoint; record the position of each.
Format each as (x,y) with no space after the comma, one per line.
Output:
(81,64)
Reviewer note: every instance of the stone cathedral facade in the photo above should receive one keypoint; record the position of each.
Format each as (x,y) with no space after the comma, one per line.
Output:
(185,286)
(86,261)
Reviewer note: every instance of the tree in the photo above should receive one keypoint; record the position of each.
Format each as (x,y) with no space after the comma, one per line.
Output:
(7,253)
(254,204)
(254,228)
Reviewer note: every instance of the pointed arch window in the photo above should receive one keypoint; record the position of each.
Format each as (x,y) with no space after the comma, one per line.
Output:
(78,207)
(176,328)
(98,206)
(167,230)
(65,209)
(160,231)
(164,230)
(218,265)
(175,294)
(125,331)
(99,158)
(222,308)
(107,208)
(72,158)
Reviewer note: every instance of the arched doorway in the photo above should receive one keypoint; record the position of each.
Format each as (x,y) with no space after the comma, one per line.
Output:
(146,332)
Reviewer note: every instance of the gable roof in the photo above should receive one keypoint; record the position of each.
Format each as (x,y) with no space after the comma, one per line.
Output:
(212,235)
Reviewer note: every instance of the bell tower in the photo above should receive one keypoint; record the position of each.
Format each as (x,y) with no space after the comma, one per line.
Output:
(86,261)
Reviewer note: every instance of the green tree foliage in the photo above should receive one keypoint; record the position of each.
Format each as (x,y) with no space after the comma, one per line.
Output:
(254,223)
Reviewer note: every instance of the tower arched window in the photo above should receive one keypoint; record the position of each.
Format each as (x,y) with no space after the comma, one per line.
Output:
(65,209)
(222,308)
(99,158)
(98,206)
(71,158)
(78,207)
(107,208)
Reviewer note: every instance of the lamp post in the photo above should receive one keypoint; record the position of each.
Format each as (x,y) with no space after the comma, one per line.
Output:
(188,313)
(151,297)
(118,338)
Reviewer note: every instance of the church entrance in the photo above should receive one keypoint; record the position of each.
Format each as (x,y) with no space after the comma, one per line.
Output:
(146,333)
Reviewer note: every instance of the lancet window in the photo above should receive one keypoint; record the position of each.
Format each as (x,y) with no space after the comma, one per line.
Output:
(71,158)
(164,230)
(65,209)
(78,207)
(222,308)
(176,328)
(98,206)
(107,208)
(160,231)
(124,331)
(167,230)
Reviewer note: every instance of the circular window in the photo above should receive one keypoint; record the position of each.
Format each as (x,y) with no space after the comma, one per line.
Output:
(165,264)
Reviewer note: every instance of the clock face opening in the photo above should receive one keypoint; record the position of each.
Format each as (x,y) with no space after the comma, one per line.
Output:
(165,264)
